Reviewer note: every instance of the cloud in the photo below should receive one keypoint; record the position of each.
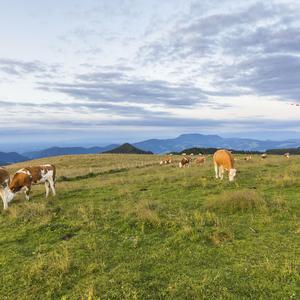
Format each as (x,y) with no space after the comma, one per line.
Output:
(119,87)
(22,68)
(252,50)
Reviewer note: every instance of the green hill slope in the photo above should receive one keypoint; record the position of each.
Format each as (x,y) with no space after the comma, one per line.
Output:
(123,227)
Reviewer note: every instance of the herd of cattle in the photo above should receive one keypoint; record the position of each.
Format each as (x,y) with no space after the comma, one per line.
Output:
(23,179)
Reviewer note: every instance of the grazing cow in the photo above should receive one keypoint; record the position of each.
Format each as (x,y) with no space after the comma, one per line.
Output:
(247,158)
(183,154)
(185,162)
(200,160)
(287,155)
(5,192)
(166,160)
(223,160)
(264,155)
(24,178)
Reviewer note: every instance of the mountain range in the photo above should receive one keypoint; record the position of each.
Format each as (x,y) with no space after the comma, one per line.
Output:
(156,146)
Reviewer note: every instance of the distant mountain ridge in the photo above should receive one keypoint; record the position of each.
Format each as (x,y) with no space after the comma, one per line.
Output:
(56,151)
(185,141)
(7,158)
(127,149)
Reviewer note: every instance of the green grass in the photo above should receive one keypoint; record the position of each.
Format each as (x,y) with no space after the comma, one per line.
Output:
(124,227)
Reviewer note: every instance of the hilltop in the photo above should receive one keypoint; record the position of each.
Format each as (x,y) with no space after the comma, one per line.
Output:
(127,149)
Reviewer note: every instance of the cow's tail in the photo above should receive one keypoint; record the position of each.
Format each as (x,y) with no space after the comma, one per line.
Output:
(54,174)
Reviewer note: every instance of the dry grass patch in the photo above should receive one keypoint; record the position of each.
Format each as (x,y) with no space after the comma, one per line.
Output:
(236,201)
(284,180)
(30,211)
(146,211)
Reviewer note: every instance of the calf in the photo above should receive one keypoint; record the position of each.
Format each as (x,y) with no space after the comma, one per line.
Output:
(5,192)
(223,160)
(185,162)
(24,178)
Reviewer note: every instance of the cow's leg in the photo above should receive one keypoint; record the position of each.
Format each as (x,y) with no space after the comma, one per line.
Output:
(52,185)
(27,192)
(3,196)
(221,172)
(216,171)
(47,188)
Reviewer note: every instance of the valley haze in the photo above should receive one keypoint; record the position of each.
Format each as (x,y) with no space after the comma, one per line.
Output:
(157,146)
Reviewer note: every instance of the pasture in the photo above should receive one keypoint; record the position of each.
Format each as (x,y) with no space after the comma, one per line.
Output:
(124,227)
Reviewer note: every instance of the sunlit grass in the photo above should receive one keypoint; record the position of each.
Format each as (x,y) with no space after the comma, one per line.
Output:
(124,227)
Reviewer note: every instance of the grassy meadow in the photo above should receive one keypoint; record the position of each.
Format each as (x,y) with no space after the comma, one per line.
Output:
(124,227)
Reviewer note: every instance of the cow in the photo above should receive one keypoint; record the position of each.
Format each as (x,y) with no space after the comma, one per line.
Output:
(200,160)
(264,156)
(5,192)
(247,158)
(185,162)
(287,155)
(223,160)
(166,160)
(24,178)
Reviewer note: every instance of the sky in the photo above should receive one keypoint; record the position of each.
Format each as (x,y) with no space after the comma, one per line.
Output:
(99,72)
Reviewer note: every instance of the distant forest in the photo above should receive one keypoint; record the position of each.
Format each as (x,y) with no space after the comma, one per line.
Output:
(295,151)
(196,150)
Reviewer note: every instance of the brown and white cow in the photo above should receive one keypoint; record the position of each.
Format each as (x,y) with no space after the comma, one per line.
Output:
(287,155)
(264,155)
(5,192)
(223,160)
(185,161)
(166,160)
(24,178)
(247,158)
(200,160)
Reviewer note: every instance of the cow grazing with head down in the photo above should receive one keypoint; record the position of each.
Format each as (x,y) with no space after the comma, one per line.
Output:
(185,162)
(247,158)
(166,160)
(223,160)
(264,156)
(24,178)
(287,155)
(5,192)
(200,160)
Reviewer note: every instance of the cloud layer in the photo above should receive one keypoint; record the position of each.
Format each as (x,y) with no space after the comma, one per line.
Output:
(205,66)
